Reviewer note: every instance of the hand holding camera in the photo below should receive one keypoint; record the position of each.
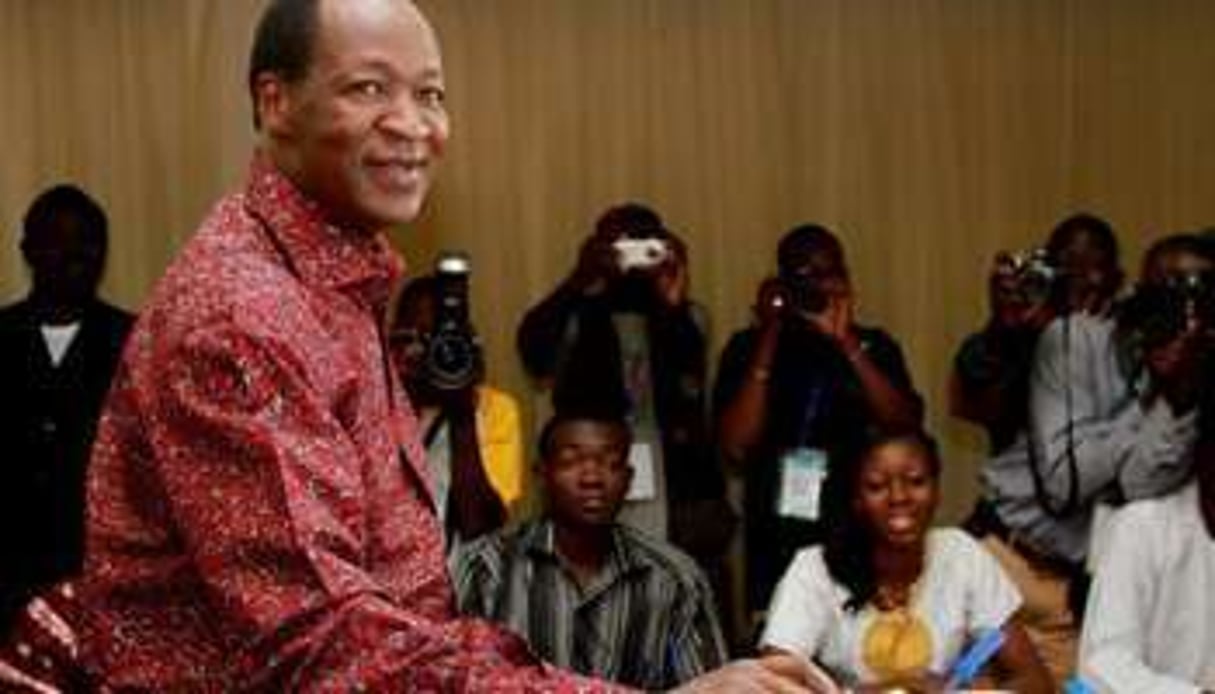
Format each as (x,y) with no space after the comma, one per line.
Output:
(1020,288)
(453,360)
(642,254)
(835,321)
(829,310)
(770,302)
(598,265)
(1169,323)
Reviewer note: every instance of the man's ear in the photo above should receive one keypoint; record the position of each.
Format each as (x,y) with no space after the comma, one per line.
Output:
(272,99)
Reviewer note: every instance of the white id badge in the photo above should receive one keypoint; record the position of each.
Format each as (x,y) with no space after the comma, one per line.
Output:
(802,471)
(644,485)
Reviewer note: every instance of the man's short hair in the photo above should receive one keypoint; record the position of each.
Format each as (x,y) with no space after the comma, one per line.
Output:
(549,432)
(802,241)
(66,198)
(283,43)
(1184,242)
(1096,228)
(631,219)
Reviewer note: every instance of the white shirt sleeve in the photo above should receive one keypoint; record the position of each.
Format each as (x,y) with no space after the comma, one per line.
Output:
(992,597)
(1118,616)
(802,607)
(1070,386)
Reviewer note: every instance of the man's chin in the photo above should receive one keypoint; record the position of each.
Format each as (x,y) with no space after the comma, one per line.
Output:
(381,210)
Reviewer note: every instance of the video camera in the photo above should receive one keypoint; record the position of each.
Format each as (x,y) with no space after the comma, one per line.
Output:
(453,359)
(1158,312)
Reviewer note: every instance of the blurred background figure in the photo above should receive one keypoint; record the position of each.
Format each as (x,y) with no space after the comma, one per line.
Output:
(805,380)
(471,431)
(58,350)
(1076,271)
(1110,416)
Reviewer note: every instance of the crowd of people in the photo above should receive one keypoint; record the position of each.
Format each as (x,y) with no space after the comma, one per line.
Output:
(291,472)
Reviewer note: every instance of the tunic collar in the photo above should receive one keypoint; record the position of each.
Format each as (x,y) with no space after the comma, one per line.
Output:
(363,266)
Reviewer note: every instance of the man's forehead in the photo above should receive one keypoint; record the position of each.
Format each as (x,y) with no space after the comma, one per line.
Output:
(1177,262)
(586,432)
(384,34)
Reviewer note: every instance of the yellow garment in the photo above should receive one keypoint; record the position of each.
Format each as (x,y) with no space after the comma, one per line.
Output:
(500,438)
(897,645)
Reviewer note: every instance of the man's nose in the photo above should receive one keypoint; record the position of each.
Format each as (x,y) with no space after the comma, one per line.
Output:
(406,118)
(593,471)
(898,492)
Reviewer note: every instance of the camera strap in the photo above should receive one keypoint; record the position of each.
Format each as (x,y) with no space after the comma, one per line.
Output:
(432,431)
(1072,504)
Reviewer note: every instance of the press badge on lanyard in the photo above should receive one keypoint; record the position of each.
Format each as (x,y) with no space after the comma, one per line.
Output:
(644,485)
(803,469)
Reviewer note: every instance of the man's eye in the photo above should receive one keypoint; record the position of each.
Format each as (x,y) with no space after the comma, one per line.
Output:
(370,88)
(432,96)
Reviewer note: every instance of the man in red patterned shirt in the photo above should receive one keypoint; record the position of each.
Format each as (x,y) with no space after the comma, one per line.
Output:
(259,512)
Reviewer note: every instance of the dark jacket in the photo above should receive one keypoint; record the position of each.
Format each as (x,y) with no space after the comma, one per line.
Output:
(48,417)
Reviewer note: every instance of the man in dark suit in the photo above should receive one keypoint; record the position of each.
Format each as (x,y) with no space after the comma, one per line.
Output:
(58,349)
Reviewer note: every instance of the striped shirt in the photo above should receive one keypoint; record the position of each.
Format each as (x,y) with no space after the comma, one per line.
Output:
(647,620)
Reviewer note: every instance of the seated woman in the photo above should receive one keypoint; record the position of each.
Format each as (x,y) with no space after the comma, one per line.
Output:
(888,601)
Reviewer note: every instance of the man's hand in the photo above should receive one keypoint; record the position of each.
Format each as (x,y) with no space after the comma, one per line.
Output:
(1177,365)
(598,264)
(1009,307)
(835,321)
(671,276)
(781,673)
(771,302)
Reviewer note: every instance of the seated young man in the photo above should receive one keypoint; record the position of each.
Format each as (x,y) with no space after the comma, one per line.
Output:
(1150,621)
(587,592)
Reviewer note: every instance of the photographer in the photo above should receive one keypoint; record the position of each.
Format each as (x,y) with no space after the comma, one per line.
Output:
(989,385)
(1109,420)
(471,431)
(620,336)
(803,382)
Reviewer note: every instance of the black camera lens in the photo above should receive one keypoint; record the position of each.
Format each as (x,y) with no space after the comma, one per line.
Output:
(1158,312)
(804,294)
(453,356)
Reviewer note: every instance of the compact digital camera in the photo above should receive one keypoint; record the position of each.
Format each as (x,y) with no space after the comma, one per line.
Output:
(640,254)
(453,358)
(1032,277)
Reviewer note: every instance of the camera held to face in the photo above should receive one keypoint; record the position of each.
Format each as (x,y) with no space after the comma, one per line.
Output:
(453,358)
(1157,312)
(640,253)
(1027,275)
(804,293)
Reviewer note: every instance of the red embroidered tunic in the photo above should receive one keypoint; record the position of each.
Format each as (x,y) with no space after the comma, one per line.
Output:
(253,523)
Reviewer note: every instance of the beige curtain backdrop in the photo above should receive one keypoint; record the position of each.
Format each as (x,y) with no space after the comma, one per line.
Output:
(928,133)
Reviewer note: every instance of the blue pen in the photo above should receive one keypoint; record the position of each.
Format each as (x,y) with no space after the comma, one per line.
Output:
(966,667)
(1077,685)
